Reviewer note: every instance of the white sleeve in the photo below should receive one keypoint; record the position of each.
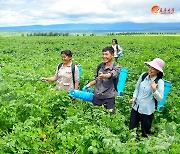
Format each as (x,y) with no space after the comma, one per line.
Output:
(159,93)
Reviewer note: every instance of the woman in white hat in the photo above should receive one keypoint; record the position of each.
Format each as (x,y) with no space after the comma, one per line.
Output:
(149,89)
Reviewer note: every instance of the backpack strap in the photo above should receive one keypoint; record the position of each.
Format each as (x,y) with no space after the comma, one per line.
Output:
(98,68)
(73,73)
(59,66)
(144,76)
(72,70)
(156,80)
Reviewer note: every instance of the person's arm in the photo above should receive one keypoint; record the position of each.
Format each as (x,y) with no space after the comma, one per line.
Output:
(87,87)
(53,78)
(93,82)
(101,75)
(136,91)
(76,85)
(115,72)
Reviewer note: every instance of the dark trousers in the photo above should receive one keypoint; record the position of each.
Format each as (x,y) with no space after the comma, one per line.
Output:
(109,103)
(146,122)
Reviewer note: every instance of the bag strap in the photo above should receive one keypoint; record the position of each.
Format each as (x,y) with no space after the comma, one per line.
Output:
(98,68)
(59,66)
(73,73)
(144,76)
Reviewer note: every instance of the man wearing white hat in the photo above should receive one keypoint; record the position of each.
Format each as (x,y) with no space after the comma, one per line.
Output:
(149,89)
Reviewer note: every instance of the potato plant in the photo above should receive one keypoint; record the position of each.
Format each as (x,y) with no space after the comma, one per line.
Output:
(37,118)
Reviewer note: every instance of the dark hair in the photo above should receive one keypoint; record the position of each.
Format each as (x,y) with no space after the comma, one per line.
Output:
(160,75)
(115,40)
(110,49)
(67,53)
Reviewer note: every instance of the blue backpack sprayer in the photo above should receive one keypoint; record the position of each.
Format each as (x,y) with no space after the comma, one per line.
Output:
(87,94)
(167,87)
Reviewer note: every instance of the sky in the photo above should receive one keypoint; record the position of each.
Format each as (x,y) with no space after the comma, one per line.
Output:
(47,12)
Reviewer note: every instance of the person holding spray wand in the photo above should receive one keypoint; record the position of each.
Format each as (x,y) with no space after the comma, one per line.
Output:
(107,72)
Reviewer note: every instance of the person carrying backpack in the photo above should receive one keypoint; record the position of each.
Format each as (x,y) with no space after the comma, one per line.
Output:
(149,89)
(117,49)
(66,75)
(106,76)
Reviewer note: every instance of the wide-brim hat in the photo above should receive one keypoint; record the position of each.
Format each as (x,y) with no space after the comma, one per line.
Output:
(157,63)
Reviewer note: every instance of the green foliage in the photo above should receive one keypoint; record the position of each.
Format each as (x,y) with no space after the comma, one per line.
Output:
(37,118)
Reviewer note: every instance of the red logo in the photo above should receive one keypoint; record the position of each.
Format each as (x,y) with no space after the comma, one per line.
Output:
(158,10)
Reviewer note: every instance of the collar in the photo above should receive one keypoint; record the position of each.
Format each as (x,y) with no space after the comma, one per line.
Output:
(152,79)
(110,67)
(68,65)
(114,45)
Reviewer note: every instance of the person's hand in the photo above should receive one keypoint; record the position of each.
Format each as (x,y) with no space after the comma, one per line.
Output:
(73,98)
(132,100)
(100,76)
(154,86)
(85,88)
(43,79)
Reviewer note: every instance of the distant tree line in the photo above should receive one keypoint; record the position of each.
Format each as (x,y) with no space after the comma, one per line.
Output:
(94,34)
(55,34)
(140,33)
(47,34)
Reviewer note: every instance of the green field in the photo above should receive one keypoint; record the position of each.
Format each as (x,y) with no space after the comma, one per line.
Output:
(37,118)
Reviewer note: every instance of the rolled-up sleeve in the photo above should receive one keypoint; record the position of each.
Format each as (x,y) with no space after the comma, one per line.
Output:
(115,71)
(159,93)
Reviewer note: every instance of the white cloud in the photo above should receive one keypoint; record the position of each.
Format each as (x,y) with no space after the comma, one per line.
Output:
(31,12)
(11,2)
(80,7)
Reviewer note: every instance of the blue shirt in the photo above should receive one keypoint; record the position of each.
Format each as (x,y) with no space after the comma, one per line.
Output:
(145,97)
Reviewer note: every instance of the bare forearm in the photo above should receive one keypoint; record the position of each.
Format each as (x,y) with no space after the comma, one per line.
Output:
(76,85)
(107,76)
(91,83)
(53,78)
